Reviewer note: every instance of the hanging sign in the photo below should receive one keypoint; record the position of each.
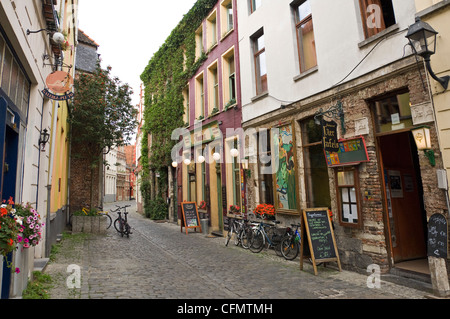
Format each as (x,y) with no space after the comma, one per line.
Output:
(55,97)
(351,152)
(329,136)
(58,83)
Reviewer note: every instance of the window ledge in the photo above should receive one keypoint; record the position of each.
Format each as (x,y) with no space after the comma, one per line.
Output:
(378,36)
(226,34)
(306,73)
(260,96)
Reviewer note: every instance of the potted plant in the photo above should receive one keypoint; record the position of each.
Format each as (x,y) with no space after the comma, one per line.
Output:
(235,210)
(202,209)
(265,211)
(9,228)
(31,228)
(88,221)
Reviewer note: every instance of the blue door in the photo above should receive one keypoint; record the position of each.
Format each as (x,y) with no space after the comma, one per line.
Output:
(9,146)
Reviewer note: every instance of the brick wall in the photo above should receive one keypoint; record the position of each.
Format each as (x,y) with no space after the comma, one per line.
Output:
(360,247)
(80,174)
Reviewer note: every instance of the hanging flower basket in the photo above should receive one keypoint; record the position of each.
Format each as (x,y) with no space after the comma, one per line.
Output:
(31,226)
(265,211)
(9,228)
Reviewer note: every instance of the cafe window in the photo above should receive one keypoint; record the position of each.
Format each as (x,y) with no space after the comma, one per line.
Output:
(348,197)
(316,170)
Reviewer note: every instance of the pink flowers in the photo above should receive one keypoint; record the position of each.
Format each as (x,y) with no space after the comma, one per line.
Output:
(31,225)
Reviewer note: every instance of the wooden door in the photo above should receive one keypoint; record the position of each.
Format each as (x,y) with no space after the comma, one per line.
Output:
(403,196)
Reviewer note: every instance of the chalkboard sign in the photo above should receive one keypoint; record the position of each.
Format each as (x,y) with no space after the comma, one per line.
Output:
(190,218)
(320,235)
(437,236)
(351,152)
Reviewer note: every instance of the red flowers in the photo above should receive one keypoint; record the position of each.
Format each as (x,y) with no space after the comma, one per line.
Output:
(202,205)
(264,210)
(235,209)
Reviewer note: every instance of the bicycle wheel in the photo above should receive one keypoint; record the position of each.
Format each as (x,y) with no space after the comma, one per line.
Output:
(245,237)
(257,242)
(127,230)
(229,234)
(237,236)
(109,222)
(289,248)
(118,225)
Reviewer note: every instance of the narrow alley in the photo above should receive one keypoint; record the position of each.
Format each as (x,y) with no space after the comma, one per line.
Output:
(159,261)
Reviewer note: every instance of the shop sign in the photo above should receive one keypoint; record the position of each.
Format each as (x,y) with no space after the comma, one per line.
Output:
(58,83)
(350,152)
(55,97)
(329,136)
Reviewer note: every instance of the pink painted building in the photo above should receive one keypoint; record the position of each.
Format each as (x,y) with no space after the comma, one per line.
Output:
(213,105)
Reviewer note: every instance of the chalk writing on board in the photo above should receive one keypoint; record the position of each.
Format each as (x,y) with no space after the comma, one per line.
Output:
(437,236)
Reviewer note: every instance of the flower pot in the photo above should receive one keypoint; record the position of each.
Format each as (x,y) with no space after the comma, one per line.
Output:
(89,224)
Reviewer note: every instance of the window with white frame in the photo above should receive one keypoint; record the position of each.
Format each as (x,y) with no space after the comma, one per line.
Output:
(213,88)
(226,16)
(199,42)
(229,78)
(211,30)
(199,97)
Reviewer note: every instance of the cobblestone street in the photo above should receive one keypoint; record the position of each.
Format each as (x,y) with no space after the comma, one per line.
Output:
(160,262)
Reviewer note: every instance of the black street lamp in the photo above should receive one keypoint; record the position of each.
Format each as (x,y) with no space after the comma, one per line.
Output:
(43,138)
(422,38)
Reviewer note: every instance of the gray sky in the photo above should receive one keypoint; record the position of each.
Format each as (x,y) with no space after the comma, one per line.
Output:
(130,32)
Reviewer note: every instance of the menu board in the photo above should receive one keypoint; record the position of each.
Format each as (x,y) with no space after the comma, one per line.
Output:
(190,218)
(351,151)
(437,236)
(320,235)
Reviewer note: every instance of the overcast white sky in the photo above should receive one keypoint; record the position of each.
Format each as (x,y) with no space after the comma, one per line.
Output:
(129,32)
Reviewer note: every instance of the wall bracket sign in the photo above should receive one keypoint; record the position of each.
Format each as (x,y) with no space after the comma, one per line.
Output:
(351,152)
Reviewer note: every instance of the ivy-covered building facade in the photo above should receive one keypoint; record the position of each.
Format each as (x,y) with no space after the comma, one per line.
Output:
(192,117)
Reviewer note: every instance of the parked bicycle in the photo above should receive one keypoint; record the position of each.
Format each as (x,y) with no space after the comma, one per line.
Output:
(121,223)
(240,230)
(265,234)
(235,226)
(290,244)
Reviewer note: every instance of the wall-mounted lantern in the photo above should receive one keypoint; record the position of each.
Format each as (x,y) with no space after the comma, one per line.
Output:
(43,138)
(422,138)
(422,38)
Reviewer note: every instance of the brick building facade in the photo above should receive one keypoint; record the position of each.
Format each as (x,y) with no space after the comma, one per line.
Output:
(382,231)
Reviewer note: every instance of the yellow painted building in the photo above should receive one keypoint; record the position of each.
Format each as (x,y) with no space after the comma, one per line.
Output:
(437,14)
(60,136)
